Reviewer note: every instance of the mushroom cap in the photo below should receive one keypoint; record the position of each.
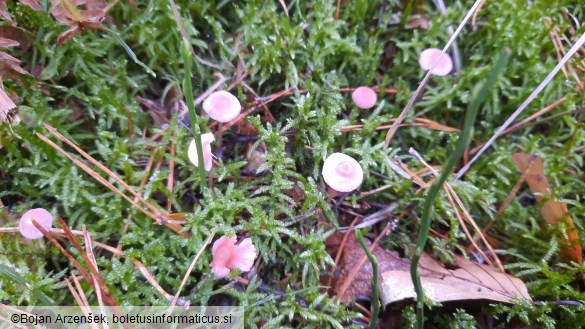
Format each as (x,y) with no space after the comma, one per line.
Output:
(364,97)
(222,106)
(206,140)
(28,229)
(342,172)
(429,56)
(227,255)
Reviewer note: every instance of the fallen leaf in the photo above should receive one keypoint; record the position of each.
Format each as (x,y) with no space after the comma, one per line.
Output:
(361,285)
(79,15)
(553,212)
(18,34)
(10,67)
(469,281)
(8,110)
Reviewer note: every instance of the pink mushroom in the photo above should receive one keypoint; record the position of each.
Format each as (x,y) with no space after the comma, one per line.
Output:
(342,172)
(364,97)
(227,255)
(222,106)
(429,56)
(206,140)
(41,216)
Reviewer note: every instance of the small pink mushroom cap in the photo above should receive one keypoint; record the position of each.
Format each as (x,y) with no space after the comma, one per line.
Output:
(342,172)
(222,106)
(28,229)
(227,255)
(206,140)
(364,97)
(429,56)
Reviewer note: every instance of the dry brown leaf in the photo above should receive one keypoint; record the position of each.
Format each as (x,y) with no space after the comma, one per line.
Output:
(10,67)
(18,34)
(470,281)
(553,212)
(79,15)
(361,285)
(8,110)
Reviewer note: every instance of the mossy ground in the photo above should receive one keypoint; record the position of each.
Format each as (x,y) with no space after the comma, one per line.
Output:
(90,90)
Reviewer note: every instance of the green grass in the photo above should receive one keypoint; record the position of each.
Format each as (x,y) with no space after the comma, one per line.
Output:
(93,77)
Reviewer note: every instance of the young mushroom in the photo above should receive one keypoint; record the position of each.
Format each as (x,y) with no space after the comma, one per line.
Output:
(342,172)
(428,58)
(222,106)
(364,97)
(28,229)
(227,255)
(206,140)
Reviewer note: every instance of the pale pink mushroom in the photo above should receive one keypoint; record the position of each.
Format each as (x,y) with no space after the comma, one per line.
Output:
(227,255)
(222,106)
(206,140)
(364,97)
(342,172)
(428,58)
(28,229)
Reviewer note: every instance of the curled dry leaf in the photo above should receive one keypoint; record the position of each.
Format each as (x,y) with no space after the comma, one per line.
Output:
(553,212)
(10,67)
(361,285)
(469,281)
(8,110)
(79,15)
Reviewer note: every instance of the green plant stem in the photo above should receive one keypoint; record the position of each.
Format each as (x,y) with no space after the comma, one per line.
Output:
(374,261)
(428,205)
(195,130)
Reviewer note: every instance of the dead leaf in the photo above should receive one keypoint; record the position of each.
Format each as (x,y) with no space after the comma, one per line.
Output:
(470,281)
(553,212)
(8,110)
(10,67)
(18,34)
(361,285)
(79,15)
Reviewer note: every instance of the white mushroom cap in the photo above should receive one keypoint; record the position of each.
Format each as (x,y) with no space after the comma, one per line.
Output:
(206,140)
(429,56)
(364,97)
(342,172)
(41,216)
(222,106)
